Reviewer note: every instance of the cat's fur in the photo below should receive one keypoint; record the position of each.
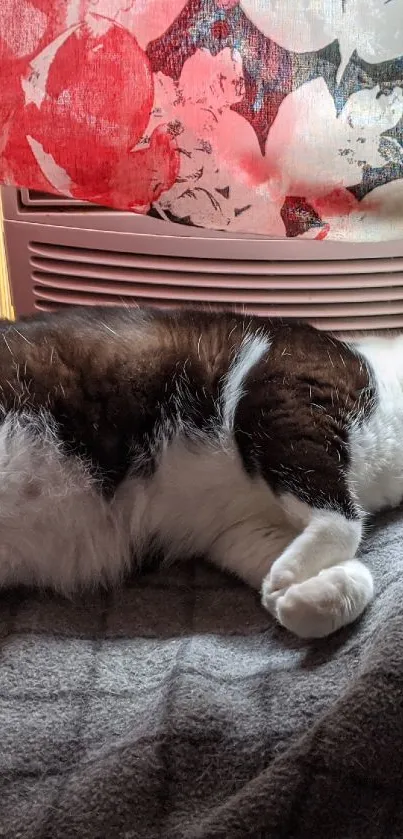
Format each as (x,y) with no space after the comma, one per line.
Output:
(259,444)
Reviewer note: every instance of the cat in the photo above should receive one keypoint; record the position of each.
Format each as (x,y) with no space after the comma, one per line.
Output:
(261,444)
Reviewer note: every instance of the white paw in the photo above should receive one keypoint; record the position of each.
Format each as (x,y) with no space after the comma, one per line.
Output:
(308,609)
(323,604)
(281,576)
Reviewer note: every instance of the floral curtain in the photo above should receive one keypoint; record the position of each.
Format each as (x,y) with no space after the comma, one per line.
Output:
(277,117)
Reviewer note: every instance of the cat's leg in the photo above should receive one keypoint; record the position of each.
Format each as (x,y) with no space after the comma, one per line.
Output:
(249,549)
(329,530)
(292,426)
(316,586)
(328,536)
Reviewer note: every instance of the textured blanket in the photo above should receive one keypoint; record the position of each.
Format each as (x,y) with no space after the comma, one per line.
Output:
(176,709)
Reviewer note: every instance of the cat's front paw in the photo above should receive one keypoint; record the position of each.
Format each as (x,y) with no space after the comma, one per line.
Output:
(323,604)
(308,610)
(280,577)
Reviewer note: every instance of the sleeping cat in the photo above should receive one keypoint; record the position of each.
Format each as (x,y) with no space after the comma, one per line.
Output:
(260,444)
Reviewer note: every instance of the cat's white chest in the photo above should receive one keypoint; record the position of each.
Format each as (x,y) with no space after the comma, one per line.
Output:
(376,447)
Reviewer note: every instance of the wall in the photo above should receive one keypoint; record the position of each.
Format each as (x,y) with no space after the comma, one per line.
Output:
(6,308)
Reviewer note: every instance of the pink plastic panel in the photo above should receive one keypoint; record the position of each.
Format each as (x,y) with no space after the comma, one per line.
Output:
(61,256)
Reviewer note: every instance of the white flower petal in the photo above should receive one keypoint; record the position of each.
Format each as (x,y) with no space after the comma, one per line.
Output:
(373,112)
(54,173)
(300,26)
(315,150)
(372,28)
(34,86)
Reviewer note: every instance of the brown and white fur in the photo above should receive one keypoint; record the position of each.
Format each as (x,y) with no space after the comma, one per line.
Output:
(259,444)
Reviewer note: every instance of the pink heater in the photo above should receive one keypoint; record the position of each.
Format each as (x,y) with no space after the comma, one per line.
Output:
(62,252)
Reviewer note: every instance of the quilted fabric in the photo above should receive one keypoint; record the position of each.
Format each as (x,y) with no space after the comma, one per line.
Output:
(278,117)
(174,708)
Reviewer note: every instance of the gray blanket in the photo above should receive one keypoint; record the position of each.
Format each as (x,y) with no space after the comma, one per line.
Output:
(175,708)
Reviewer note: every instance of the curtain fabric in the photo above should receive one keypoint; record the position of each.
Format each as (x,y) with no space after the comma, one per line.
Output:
(274,117)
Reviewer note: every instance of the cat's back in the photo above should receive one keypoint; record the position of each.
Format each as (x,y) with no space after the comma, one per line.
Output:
(109,360)
(102,343)
(115,379)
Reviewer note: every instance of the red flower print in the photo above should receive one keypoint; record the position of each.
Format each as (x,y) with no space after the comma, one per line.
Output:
(88,97)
